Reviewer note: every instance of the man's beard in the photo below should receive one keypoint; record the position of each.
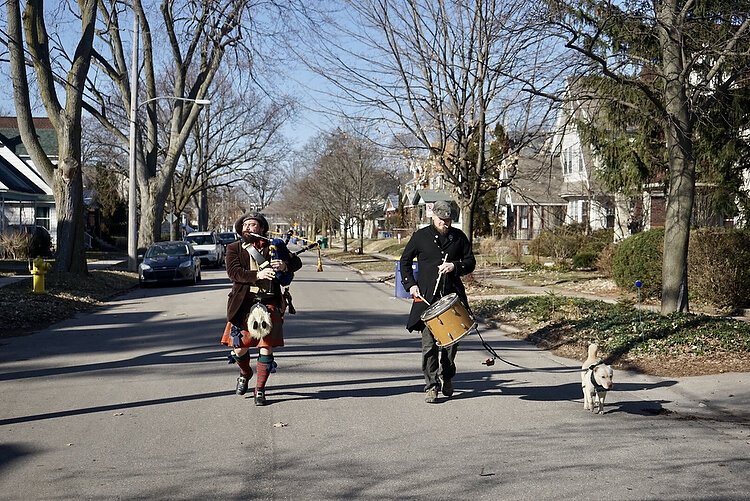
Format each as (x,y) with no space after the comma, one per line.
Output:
(443,230)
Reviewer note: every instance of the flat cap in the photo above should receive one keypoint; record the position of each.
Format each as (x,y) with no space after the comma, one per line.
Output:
(442,209)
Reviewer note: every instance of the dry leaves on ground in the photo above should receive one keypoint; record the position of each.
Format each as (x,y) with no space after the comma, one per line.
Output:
(23,312)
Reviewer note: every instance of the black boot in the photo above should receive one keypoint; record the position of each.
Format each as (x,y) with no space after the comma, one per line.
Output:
(241,388)
(260,398)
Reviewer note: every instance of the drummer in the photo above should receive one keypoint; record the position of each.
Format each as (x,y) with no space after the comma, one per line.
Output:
(443,255)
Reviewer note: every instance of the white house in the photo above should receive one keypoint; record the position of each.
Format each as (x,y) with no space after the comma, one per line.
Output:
(25,198)
(588,202)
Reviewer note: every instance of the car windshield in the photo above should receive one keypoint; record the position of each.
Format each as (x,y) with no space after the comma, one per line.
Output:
(227,236)
(201,239)
(167,250)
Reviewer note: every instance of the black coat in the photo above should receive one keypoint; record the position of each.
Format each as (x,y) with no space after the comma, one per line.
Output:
(430,249)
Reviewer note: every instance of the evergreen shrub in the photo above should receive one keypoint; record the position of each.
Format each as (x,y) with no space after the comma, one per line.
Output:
(585,260)
(639,257)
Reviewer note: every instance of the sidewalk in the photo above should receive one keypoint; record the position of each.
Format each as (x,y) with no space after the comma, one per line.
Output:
(721,397)
(9,280)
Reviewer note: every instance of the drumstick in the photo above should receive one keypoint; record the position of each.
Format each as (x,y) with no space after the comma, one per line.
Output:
(420,296)
(440,275)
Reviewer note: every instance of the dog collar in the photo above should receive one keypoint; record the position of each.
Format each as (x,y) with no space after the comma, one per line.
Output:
(599,388)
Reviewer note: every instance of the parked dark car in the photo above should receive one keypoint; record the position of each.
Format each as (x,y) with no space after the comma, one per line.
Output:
(227,237)
(169,262)
(40,241)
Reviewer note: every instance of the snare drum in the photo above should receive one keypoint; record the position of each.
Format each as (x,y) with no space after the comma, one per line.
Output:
(448,320)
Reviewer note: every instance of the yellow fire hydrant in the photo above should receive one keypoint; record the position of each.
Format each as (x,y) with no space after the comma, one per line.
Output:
(38,268)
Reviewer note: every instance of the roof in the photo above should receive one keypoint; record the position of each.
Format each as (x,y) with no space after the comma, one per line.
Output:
(11,136)
(391,202)
(18,176)
(537,182)
(11,179)
(429,196)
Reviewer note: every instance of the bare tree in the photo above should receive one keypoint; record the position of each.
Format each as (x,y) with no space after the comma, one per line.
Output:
(264,184)
(236,142)
(66,177)
(302,195)
(349,179)
(198,36)
(439,70)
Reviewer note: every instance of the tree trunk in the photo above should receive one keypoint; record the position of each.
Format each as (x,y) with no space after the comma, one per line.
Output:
(361,224)
(622,217)
(149,230)
(174,228)
(681,190)
(346,233)
(467,225)
(68,190)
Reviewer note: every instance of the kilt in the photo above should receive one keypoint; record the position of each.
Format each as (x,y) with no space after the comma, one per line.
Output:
(273,339)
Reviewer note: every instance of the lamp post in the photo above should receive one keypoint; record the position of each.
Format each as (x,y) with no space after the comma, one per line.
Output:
(132,250)
(132,191)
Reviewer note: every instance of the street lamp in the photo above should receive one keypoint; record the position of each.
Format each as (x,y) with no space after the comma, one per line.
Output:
(132,249)
(132,192)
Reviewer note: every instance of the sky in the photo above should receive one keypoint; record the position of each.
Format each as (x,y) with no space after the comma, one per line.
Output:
(305,86)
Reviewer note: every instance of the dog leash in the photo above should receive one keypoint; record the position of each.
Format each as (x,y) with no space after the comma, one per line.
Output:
(495,356)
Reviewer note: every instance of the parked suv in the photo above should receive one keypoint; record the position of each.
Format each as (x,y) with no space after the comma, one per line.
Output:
(227,238)
(207,247)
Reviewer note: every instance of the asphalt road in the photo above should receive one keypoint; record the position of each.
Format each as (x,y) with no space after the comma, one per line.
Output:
(136,401)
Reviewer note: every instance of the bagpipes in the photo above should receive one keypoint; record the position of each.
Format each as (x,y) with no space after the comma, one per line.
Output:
(261,316)
(288,235)
(279,250)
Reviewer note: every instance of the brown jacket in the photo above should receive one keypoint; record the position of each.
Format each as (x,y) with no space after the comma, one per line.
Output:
(242,272)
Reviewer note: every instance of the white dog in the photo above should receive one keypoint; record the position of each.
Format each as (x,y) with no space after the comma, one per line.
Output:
(596,380)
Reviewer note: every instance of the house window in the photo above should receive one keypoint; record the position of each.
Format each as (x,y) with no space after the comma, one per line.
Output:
(523,217)
(575,211)
(41,217)
(572,159)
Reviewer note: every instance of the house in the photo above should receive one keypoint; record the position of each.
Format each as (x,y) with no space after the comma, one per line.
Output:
(25,198)
(532,202)
(280,219)
(588,200)
(426,186)
(420,208)
(387,218)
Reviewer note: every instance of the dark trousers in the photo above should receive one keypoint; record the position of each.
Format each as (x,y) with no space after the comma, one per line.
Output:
(434,358)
